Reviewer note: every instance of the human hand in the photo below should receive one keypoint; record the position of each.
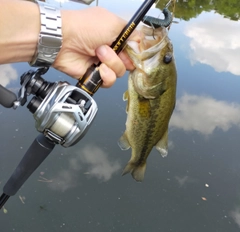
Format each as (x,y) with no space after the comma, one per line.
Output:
(87,36)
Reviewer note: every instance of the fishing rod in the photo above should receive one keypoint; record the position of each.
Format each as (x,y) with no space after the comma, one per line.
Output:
(63,113)
(91,80)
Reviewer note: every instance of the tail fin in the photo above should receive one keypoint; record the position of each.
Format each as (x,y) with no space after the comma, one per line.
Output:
(137,171)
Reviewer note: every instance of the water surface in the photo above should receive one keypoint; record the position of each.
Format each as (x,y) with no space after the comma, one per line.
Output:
(195,188)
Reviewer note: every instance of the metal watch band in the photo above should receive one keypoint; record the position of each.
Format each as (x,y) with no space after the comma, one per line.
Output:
(50,36)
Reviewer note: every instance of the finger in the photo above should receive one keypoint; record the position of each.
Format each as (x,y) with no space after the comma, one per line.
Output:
(107,56)
(108,76)
(126,61)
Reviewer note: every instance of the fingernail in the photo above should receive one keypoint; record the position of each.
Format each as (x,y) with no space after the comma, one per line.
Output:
(102,50)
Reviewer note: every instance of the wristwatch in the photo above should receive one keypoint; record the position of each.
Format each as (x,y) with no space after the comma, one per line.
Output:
(50,36)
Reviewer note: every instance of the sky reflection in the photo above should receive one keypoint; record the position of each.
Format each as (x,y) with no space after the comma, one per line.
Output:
(235,214)
(8,74)
(204,114)
(183,180)
(215,42)
(91,161)
(99,163)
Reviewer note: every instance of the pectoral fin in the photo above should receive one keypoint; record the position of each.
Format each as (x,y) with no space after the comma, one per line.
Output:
(125,95)
(162,145)
(123,142)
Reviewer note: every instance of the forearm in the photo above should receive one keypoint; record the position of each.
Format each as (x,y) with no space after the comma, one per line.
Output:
(19,30)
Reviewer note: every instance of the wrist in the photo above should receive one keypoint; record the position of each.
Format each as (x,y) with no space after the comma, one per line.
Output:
(50,36)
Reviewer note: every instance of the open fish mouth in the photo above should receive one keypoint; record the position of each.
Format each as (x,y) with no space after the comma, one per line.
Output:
(150,38)
(150,44)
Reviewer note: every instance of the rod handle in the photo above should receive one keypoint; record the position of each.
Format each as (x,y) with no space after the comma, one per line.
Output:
(91,80)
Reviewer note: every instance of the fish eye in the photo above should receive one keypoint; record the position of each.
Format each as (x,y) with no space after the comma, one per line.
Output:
(167,58)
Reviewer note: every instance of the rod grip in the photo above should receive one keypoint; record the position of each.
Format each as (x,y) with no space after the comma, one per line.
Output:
(91,81)
(7,98)
(37,152)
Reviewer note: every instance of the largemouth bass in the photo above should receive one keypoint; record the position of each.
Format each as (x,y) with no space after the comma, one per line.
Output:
(151,98)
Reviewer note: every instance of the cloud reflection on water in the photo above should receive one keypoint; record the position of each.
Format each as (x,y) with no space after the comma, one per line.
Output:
(8,73)
(92,161)
(64,180)
(99,164)
(204,114)
(212,45)
(182,180)
(235,214)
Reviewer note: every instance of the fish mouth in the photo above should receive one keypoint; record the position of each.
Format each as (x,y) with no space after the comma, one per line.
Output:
(150,38)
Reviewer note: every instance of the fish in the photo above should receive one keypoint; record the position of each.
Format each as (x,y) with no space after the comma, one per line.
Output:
(150,97)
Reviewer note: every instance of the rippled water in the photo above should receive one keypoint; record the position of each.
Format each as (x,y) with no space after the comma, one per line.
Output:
(195,188)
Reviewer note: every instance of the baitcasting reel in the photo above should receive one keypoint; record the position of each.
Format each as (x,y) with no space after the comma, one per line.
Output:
(63,112)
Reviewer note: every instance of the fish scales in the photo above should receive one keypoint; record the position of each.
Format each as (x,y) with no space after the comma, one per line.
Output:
(151,99)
